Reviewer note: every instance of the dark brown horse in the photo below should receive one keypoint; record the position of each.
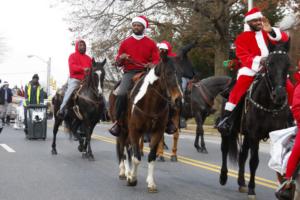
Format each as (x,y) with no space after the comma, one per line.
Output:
(148,109)
(264,110)
(199,101)
(84,110)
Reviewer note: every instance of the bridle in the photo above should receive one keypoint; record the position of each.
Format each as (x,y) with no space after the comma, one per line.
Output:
(270,87)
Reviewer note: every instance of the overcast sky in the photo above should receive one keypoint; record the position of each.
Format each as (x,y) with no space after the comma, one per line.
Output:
(32,27)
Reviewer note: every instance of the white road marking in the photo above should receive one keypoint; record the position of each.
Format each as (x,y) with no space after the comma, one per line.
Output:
(7,148)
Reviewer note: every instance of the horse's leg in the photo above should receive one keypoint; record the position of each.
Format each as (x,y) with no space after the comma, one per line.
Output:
(254,161)
(155,139)
(224,170)
(57,122)
(88,139)
(121,157)
(175,119)
(136,158)
(243,155)
(199,132)
(142,145)
(160,150)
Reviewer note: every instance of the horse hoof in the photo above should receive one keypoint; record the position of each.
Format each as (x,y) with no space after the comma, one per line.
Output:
(204,151)
(161,159)
(84,155)
(131,183)
(252,197)
(223,178)
(91,158)
(122,177)
(80,148)
(243,189)
(54,152)
(152,190)
(198,149)
(173,158)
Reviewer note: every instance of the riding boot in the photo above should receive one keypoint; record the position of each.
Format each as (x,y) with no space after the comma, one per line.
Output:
(171,128)
(121,102)
(115,130)
(225,123)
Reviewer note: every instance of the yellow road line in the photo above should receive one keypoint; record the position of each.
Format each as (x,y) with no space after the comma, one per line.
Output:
(200,164)
(203,165)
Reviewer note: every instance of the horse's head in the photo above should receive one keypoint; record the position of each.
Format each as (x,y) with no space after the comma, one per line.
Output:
(166,70)
(97,72)
(277,65)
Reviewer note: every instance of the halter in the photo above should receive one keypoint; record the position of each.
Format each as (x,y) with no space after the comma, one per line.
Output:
(270,87)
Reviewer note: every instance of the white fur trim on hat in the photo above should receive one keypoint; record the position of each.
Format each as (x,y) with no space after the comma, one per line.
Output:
(163,46)
(253,16)
(140,20)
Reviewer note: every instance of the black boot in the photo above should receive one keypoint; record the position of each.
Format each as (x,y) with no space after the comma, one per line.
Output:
(115,130)
(225,123)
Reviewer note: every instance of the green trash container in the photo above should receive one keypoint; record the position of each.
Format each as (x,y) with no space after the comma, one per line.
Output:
(36,121)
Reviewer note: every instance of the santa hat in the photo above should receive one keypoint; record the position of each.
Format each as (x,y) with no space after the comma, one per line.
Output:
(141,19)
(254,13)
(162,45)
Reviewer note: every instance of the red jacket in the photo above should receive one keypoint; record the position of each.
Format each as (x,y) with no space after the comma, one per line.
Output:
(140,52)
(251,46)
(78,62)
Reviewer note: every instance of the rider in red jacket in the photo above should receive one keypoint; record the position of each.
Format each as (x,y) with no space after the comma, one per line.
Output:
(251,50)
(79,63)
(295,155)
(134,54)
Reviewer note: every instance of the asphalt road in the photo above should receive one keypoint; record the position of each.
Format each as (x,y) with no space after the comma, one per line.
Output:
(29,171)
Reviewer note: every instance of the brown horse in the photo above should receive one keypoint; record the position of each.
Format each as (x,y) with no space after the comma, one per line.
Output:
(148,109)
(84,109)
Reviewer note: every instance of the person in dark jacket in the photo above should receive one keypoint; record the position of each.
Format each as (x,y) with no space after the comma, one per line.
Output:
(5,102)
(34,94)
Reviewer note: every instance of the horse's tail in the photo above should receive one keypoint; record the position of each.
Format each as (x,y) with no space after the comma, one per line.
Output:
(233,146)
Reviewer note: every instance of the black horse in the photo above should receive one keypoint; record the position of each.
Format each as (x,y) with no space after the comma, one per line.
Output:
(199,100)
(83,110)
(264,109)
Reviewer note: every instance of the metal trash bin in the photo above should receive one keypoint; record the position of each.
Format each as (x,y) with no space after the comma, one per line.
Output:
(36,121)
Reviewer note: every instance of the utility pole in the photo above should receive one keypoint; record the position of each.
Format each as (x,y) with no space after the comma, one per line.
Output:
(48,62)
(48,76)
(250,4)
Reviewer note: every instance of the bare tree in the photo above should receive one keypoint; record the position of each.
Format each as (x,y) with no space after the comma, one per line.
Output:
(107,22)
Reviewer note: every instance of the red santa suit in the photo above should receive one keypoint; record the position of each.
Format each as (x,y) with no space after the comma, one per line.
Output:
(295,155)
(251,47)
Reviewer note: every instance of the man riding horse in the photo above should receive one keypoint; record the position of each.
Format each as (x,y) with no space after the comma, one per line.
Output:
(79,64)
(252,51)
(135,54)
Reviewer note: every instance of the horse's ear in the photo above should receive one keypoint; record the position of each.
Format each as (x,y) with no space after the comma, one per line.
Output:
(286,45)
(103,62)
(271,46)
